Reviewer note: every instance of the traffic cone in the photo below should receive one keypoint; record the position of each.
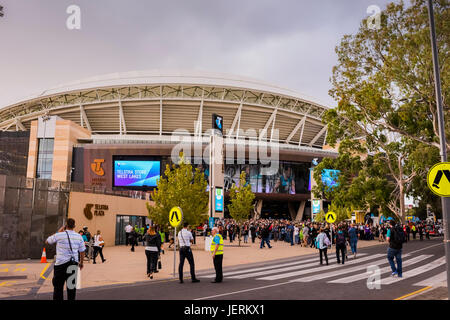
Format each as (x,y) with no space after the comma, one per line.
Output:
(43,257)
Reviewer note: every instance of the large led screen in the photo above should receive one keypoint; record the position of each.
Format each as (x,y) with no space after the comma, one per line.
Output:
(136,173)
(330,178)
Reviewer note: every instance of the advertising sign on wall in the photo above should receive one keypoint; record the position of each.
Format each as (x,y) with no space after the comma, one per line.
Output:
(219,199)
(315,206)
(130,173)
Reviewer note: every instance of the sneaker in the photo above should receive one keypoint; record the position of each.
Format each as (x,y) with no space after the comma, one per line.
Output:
(195,280)
(399,275)
(393,274)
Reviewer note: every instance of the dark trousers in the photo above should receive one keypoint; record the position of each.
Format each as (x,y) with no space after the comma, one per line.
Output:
(186,253)
(265,240)
(152,260)
(98,250)
(253,238)
(340,248)
(127,238)
(218,259)
(414,235)
(324,252)
(60,277)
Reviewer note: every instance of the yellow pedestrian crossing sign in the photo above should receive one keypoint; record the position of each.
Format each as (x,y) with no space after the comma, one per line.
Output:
(330,216)
(438,179)
(175,216)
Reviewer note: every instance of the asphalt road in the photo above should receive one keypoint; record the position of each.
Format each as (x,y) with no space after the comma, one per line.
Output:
(299,278)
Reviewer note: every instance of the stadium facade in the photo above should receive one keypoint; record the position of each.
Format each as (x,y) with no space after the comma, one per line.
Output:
(95,131)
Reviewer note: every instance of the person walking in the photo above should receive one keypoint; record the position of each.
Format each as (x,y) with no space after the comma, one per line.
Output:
(322,243)
(133,238)
(152,250)
(353,239)
(68,245)
(396,238)
(184,240)
(98,246)
(265,237)
(296,235)
(305,235)
(128,229)
(217,254)
(253,232)
(340,245)
(420,232)
(414,231)
(245,233)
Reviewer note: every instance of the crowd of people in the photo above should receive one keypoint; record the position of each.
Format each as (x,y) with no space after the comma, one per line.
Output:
(72,246)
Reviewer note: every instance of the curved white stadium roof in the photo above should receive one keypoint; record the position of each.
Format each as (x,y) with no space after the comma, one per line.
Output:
(159,102)
(134,78)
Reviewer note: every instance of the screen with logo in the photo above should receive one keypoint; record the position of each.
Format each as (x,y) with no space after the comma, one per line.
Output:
(136,173)
(330,178)
(219,199)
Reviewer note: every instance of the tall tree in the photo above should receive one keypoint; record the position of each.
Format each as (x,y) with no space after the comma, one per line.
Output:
(182,187)
(384,86)
(241,198)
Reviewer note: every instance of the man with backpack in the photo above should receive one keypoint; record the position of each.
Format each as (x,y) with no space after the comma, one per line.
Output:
(340,244)
(396,237)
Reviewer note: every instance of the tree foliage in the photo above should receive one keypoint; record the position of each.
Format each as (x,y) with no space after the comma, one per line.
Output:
(241,198)
(182,187)
(384,86)
(342,214)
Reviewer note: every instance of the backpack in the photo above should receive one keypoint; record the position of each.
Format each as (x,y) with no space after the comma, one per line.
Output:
(340,238)
(397,237)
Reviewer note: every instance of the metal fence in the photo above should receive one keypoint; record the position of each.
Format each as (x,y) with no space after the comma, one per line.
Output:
(33,209)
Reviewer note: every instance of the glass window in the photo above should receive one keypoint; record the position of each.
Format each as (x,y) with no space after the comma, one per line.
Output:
(45,159)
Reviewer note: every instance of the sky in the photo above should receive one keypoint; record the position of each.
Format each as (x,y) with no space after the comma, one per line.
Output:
(288,43)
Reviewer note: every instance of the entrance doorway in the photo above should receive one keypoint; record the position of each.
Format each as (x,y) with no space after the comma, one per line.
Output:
(122,221)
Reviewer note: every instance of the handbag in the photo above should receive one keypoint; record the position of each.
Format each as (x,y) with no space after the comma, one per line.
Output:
(72,259)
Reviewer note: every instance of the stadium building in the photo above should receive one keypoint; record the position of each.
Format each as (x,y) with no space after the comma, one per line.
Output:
(117,133)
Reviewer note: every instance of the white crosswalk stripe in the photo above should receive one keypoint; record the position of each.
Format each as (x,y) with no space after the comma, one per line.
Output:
(318,269)
(336,273)
(439,280)
(295,263)
(361,276)
(249,273)
(414,272)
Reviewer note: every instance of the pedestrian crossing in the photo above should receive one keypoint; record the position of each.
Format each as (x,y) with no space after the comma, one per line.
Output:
(309,270)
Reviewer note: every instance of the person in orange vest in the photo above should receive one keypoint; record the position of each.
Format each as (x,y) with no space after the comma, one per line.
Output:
(217,254)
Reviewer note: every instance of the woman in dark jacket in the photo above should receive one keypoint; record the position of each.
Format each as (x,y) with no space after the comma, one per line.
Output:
(152,250)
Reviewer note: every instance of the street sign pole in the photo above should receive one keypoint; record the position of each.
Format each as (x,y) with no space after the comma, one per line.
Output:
(175,218)
(174,251)
(443,143)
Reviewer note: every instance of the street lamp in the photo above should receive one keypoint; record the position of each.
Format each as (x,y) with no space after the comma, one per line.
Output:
(437,81)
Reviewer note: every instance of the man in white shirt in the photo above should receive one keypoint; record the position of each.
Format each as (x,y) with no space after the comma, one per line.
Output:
(185,239)
(128,229)
(68,244)
(296,234)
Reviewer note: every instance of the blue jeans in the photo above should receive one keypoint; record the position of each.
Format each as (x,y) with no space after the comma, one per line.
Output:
(266,240)
(353,245)
(398,257)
